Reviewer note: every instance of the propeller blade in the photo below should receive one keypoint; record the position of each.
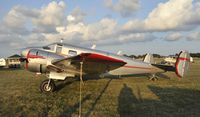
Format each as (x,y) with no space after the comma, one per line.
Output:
(22,59)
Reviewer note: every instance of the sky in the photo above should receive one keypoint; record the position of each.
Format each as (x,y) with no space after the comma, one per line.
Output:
(131,26)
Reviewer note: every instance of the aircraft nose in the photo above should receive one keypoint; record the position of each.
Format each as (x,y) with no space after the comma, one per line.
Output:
(24,52)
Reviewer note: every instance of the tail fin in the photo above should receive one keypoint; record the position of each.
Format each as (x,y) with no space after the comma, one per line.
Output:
(182,63)
(149,59)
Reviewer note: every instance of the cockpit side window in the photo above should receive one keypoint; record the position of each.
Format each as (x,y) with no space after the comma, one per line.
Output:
(42,53)
(37,53)
(58,49)
(33,52)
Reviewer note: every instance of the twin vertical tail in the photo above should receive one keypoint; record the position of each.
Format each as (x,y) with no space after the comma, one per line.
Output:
(149,59)
(182,63)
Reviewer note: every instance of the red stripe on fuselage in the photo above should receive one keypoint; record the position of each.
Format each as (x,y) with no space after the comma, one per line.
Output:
(35,56)
(30,56)
(136,67)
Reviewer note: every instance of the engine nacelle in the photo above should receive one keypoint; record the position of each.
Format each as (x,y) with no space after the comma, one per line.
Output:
(38,60)
(35,67)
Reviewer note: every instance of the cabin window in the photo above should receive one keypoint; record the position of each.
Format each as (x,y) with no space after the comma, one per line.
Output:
(42,54)
(33,52)
(72,53)
(58,49)
(37,53)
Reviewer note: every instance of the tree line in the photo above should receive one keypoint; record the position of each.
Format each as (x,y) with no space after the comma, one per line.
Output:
(197,55)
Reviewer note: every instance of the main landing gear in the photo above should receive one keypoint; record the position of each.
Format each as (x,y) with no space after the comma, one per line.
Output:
(153,77)
(47,85)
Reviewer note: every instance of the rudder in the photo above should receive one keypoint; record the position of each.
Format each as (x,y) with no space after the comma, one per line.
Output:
(149,59)
(182,63)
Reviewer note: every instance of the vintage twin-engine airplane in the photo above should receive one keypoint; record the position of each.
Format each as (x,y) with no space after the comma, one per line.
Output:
(59,61)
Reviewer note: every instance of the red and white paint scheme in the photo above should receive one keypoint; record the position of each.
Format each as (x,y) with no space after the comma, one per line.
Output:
(59,61)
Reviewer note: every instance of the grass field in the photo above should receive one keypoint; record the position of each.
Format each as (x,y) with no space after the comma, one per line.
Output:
(132,96)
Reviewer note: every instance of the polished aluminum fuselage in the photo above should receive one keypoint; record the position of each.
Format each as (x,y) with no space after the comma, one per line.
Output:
(132,66)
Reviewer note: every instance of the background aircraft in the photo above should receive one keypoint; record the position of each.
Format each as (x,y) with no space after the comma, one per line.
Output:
(172,60)
(59,61)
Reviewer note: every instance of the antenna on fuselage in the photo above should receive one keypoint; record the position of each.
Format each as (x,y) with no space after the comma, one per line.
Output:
(61,40)
(93,46)
(119,52)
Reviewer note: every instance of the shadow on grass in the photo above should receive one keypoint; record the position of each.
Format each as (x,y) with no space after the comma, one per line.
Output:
(127,102)
(172,102)
(97,99)
(71,109)
(61,84)
(68,81)
(161,75)
(116,77)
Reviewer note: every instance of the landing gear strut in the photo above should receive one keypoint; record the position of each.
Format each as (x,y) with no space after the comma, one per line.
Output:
(47,85)
(153,77)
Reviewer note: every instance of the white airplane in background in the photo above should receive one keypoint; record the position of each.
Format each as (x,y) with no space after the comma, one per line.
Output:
(172,60)
(59,61)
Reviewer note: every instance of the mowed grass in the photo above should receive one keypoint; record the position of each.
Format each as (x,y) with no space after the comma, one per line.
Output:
(132,96)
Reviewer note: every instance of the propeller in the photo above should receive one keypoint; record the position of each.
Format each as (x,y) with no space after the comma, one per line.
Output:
(22,59)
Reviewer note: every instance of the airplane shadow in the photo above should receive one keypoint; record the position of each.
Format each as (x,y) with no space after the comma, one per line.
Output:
(172,102)
(161,75)
(71,109)
(61,84)
(116,77)
(97,99)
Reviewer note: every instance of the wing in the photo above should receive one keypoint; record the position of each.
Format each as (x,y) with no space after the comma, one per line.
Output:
(92,64)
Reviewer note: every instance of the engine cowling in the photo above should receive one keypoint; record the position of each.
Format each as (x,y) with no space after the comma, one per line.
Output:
(35,67)
(38,60)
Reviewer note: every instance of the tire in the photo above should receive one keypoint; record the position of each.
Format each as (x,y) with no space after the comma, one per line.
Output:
(44,84)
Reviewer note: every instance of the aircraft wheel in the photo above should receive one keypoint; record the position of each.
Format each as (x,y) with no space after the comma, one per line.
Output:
(47,86)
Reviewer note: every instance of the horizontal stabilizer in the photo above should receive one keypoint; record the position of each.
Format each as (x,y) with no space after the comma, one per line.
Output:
(181,66)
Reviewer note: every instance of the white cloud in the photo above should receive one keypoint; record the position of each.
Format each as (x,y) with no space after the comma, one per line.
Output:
(42,20)
(127,39)
(169,15)
(193,36)
(101,30)
(173,36)
(124,7)
(24,25)
(70,18)
(137,37)
(76,16)
(50,16)
(177,15)
(15,21)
